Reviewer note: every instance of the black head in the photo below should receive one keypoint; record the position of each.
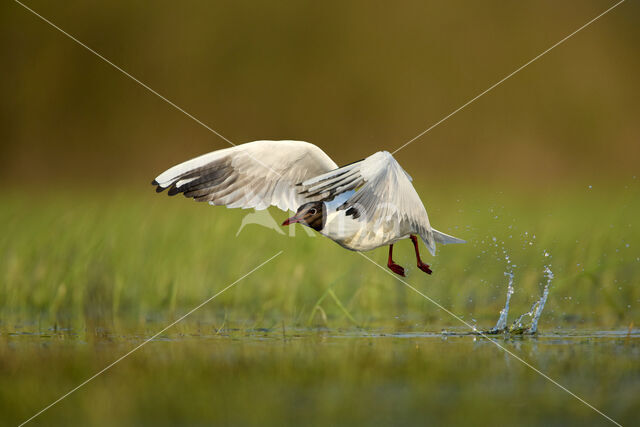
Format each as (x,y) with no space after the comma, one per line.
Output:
(312,214)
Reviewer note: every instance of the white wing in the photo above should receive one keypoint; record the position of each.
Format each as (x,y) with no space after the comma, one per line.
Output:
(256,175)
(386,198)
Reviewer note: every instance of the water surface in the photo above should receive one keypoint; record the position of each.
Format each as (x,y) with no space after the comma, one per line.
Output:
(320,376)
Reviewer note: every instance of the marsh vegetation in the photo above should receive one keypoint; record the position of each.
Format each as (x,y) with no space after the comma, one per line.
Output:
(319,334)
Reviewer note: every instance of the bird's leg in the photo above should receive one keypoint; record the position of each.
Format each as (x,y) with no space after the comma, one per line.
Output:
(392,265)
(421,265)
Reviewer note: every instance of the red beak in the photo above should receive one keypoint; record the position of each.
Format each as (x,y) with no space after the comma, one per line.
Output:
(291,220)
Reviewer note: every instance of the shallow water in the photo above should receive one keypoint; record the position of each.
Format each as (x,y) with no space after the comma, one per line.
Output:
(320,376)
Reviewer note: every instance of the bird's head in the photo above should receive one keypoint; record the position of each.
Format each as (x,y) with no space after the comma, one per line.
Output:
(311,214)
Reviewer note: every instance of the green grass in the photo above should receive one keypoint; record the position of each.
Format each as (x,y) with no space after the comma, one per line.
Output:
(73,260)
(319,335)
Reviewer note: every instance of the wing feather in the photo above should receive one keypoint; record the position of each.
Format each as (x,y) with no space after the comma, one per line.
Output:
(256,175)
(385,197)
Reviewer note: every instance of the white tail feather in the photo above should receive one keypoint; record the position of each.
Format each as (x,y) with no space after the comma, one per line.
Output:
(445,239)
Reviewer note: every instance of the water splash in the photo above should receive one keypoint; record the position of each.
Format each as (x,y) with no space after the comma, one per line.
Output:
(504,313)
(536,309)
(525,324)
(501,325)
(521,325)
(542,301)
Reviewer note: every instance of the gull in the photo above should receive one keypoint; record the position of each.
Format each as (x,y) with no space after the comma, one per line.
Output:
(361,206)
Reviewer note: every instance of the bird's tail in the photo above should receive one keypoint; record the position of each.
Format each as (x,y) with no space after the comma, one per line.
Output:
(445,239)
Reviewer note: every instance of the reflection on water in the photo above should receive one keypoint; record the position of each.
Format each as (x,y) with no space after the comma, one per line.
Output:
(199,374)
(276,334)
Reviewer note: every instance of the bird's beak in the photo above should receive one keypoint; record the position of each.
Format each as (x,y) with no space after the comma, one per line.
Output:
(291,220)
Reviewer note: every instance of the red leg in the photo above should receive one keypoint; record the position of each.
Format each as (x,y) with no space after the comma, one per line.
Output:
(392,265)
(421,265)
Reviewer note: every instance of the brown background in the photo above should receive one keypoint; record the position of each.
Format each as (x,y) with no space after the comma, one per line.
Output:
(351,77)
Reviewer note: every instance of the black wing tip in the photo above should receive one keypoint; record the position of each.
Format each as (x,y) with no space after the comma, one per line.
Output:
(174,190)
(158,188)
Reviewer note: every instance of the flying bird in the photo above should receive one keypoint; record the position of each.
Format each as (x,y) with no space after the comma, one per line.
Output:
(361,206)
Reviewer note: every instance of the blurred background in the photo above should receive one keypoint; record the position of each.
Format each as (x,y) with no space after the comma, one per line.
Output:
(540,172)
(352,78)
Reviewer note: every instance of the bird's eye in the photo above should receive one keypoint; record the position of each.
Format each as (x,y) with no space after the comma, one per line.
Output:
(312,211)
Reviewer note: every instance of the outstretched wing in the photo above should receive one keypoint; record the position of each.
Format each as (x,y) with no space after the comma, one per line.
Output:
(385,196)
(255,175)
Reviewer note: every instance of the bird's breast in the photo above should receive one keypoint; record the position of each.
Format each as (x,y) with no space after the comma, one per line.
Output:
(356,234)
